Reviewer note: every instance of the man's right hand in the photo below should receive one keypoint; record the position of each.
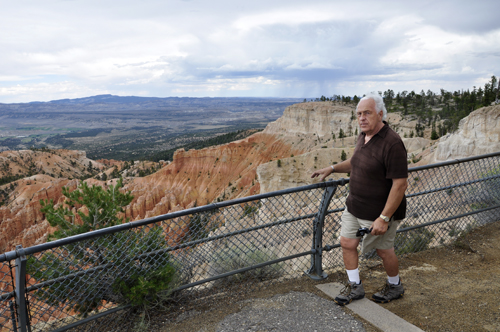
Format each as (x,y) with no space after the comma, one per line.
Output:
(322,173)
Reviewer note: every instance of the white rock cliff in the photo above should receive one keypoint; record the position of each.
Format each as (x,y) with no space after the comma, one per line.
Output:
(478,134)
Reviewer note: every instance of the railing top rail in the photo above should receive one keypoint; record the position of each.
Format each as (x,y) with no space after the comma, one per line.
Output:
(10,255)
(454,161)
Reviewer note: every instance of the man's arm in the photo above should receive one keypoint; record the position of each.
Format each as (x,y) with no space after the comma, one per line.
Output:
(343,167)
(395,197)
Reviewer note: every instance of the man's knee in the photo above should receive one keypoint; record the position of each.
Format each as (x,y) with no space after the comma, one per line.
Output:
(386,253)
(348,243)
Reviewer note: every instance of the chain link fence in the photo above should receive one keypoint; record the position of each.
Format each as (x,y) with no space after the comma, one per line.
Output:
(97,280)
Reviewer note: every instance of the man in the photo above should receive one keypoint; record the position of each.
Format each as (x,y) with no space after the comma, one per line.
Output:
(376,200)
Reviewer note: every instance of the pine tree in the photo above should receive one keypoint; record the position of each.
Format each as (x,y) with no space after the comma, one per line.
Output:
(126,267)
(102,206)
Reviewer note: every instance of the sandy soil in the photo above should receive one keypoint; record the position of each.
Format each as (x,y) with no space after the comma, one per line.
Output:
(453,288)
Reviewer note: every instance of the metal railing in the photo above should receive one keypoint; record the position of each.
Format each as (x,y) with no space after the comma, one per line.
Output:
(90,281)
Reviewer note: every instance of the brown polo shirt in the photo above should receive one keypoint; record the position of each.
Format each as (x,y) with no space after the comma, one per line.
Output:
(373,166)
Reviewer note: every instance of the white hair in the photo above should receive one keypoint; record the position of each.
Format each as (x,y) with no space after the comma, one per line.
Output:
(379,103)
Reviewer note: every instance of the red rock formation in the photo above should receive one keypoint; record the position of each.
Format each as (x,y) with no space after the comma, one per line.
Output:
(198,177)
(194,178)
(21,221)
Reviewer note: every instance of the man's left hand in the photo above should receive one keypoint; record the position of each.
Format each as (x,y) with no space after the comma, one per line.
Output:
(379,227)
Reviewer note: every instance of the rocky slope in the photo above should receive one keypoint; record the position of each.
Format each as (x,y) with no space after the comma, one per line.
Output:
(198,177)
(315,127)
(282,156)
(479,133)
(194,178)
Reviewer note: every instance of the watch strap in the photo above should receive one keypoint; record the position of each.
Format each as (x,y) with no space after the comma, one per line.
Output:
(385,218)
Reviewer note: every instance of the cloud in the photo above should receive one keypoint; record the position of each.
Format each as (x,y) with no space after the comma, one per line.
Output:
(258,48)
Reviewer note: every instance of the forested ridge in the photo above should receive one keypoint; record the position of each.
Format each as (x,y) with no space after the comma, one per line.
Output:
(442,112)
(218,140)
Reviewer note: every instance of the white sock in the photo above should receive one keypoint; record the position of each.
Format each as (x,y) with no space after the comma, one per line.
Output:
(353,276)
(393,280)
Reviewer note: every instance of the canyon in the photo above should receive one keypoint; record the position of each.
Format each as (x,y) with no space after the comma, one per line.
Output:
(306,137)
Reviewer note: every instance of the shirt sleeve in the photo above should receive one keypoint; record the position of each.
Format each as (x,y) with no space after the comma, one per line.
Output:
(396,162)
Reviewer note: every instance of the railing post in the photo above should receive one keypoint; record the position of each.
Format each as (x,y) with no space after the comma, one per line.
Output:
(316,272)
(20,289)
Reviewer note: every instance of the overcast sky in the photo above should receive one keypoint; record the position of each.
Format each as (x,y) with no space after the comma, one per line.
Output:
(223,48)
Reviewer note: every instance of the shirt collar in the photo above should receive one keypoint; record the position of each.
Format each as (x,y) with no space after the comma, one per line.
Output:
(382,132)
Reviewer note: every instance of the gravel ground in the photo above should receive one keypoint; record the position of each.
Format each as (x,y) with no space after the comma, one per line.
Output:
(291,312)
(296,305)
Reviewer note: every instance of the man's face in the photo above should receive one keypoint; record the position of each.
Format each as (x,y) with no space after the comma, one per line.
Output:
(368,118)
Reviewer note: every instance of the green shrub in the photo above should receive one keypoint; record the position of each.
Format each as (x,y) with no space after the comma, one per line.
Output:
(124,271)
(140,289)
(343,156)
(201,224)
(412,241)
(235,258)
(127,267)
(461,240)
(250,209)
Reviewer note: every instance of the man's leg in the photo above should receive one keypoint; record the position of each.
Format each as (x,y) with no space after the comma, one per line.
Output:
(390,260)
(354,290)
(350,252)
(392,290)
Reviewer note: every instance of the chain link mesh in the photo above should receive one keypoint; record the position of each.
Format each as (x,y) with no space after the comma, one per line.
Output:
(440,193)
(7,301)
(224,250)
(332,259)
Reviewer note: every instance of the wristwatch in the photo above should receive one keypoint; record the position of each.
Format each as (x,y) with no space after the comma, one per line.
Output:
(386,219)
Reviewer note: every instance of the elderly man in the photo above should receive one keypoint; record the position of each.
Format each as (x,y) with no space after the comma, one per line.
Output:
(376,200)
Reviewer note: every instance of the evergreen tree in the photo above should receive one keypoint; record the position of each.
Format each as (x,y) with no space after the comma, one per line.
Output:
(127,267)
(103,207)
(343,156)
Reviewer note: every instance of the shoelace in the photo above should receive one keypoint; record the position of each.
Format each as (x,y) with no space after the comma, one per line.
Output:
(347,289)
(385,289)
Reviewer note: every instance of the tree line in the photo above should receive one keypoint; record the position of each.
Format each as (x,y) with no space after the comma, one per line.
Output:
(217,140)
(442,112)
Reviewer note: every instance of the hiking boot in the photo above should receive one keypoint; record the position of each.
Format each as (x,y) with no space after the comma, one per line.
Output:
(389,292)
(350,292)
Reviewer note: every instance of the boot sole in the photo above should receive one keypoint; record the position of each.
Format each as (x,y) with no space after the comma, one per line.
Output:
(386,301)
(346,303)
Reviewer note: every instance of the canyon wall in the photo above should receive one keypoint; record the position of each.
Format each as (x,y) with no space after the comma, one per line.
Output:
(320,118)
(194,178)
(478,133)
(284,155)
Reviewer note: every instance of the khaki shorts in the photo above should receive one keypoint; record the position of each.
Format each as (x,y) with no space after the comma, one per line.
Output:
(351,224)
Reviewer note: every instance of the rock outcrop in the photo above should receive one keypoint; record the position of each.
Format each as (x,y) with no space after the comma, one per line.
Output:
(56,163)
(195,177)
(198,177)
(478,133)
(320,118)
(21,221)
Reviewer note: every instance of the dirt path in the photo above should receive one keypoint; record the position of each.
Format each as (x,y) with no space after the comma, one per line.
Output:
(454,288)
